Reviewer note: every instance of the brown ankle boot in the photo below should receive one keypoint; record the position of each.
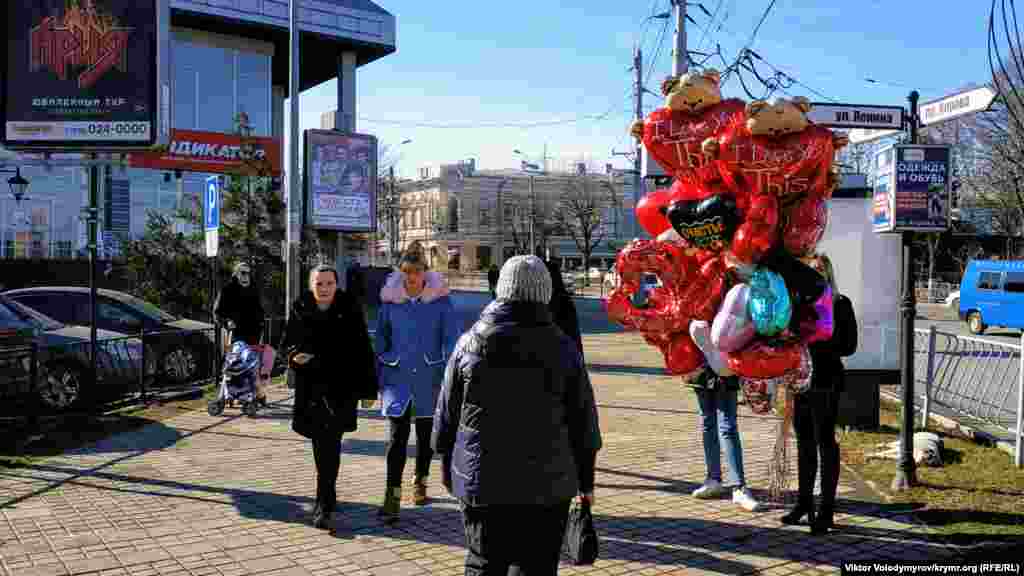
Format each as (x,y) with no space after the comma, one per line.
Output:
(419,492)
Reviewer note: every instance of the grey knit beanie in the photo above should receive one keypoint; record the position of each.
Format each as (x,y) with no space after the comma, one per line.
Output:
(524,279)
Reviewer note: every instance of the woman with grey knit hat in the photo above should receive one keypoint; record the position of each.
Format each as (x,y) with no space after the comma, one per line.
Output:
(513,367)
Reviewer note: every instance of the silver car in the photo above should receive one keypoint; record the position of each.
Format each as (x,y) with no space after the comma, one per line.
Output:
(62,355)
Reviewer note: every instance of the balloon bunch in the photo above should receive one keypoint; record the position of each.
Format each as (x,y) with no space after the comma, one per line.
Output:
(748,206)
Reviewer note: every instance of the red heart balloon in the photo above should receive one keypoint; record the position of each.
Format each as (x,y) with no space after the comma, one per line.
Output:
(785,166)
(686,190)
(649,212)
(674,137)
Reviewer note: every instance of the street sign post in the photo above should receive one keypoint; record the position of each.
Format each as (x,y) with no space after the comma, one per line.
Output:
(212,215)
(956,105)
(837,115)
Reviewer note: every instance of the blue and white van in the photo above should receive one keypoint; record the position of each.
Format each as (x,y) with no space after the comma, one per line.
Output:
(992,294)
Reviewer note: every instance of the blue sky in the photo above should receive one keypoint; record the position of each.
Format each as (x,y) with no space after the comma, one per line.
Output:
(535,61)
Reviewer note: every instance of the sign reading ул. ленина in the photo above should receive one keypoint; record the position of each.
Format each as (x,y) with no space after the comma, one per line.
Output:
(837,115)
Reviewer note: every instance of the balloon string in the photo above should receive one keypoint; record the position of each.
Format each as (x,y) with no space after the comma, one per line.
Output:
(779,469)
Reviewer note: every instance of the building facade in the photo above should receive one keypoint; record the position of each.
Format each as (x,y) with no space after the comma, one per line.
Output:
(227,57)
(470,219)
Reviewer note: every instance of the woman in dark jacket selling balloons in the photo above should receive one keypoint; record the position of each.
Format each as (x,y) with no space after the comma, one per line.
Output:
(816,411)
(333,366)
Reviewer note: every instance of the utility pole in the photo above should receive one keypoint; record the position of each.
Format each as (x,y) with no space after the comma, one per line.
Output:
(680,58)
(533,214)
(293,271)
(501,224)
(906,472)
(392,217)
(92,219)
(638,88)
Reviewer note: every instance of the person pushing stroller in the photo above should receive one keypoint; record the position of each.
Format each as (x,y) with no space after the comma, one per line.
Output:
(240,308)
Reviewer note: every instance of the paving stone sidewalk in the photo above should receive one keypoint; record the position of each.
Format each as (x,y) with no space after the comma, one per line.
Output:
(227,496)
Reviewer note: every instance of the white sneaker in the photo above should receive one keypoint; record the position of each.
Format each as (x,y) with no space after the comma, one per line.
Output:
(743,497)
(710,489)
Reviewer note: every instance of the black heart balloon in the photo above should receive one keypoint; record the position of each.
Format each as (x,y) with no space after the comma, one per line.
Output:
(804,283)
(707,224)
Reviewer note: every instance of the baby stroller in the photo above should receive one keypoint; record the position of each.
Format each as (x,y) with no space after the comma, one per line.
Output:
(241,371)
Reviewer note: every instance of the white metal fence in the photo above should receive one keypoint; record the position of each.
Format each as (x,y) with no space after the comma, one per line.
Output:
(978,378)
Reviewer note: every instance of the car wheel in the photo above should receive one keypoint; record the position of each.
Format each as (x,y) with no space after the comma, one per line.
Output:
(975,324)
(180,365)
(60,386)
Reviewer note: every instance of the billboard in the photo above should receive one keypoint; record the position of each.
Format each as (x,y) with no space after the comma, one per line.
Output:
(912,188)
(199,151)
(80,74)
(340,181)
(881,207)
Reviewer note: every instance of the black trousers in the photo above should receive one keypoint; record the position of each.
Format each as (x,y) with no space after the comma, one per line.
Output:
(398,445)
(815,424)
(514,540)
(327,455)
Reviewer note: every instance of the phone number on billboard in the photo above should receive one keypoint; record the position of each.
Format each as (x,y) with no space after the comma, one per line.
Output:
(118,128)
(106,130)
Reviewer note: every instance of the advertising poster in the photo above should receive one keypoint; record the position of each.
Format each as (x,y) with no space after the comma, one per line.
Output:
(341,181)
(882,206)
(922,188)
(213,152)
(80,74)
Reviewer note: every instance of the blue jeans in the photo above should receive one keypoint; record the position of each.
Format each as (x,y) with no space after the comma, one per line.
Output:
(718,420)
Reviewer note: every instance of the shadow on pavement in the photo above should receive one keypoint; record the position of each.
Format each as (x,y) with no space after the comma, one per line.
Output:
(622,369)
(689,542)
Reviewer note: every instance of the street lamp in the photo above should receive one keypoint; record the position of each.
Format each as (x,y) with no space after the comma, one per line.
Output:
(17,183)
(391,209)
(533,202)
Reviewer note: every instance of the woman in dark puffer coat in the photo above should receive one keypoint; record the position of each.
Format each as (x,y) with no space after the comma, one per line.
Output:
(333,366)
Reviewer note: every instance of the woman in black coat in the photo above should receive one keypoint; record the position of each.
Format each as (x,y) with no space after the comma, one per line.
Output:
(333,366)
(816,410)
(563,310)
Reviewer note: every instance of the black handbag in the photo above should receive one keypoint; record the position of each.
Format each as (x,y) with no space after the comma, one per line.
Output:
(580,544)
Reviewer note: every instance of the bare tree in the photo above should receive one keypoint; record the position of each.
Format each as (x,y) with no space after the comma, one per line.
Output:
(580,214)
(1004,169)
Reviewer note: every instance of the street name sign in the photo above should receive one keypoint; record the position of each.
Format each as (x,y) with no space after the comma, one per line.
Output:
(836,115)
(862,135)
(956,105)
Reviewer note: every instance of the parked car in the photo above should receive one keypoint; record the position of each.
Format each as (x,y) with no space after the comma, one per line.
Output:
(953,300)
(648,282)
(992,294)
(182,348)
(62,352)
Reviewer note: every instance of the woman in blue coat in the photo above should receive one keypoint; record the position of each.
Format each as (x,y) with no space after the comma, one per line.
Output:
(416,333)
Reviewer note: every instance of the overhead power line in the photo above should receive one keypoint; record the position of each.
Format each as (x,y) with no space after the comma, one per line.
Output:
(498,123)
(707,28)
(757,28)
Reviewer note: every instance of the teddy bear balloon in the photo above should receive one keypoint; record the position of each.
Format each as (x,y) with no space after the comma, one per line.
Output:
(750,196)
